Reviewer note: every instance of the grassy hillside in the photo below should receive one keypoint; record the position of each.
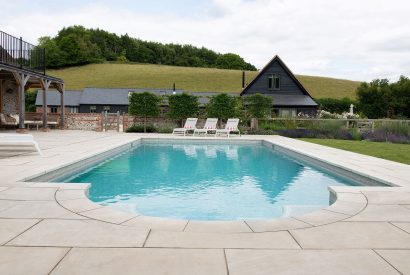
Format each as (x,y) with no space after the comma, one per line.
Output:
(191,79)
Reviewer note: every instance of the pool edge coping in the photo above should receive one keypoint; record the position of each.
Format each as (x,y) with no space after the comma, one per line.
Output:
(333,213)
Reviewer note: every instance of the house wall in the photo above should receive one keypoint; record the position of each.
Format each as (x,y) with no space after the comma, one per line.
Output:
(287,85)
(99,108)
(40,109)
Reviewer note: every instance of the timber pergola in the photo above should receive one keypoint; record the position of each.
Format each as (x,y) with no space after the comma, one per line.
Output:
(23,64)
(25,80)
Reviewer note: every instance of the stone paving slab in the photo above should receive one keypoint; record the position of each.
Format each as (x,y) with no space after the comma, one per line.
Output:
(162,224)
(335,262)
(143,261)
(388,197)
(11,228)
(395,213)
(29,260)
(79,205)
(349,235)
(276,224)
(403,225)
(321,217)
(39,210)
(217,227)
(108,215)
(400,259)
(80,233)
(28,194)
(273,240)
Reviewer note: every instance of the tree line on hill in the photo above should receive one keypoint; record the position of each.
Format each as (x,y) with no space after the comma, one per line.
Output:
(378,99)
(77,45)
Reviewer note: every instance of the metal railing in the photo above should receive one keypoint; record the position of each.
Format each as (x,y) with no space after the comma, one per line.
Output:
(18,53)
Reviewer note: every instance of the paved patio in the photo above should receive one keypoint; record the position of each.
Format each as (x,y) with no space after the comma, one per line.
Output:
(53,228)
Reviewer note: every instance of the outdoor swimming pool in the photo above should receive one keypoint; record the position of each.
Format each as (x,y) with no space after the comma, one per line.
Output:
(201,181)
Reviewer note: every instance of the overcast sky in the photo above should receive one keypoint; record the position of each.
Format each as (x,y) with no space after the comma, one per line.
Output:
(352,39)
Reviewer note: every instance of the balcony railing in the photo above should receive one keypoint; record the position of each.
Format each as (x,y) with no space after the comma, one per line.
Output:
(18,53)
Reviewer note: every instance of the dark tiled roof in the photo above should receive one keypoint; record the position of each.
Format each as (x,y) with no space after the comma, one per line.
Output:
(293,100)
(108,96)
(71,98)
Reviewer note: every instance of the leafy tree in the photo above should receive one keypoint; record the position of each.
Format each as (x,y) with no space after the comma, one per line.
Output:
(335,105)
(30,100)
(77,45)
(222,106)
(258,105)
(401,95)
(145,105)
(182,106)
(55,57)
(374,98)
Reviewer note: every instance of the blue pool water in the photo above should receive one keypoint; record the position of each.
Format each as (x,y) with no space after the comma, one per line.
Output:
(208,182)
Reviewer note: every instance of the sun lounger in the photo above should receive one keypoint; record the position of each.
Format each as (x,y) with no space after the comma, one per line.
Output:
(19,139)
(231,126)
(190,125)
(210,126)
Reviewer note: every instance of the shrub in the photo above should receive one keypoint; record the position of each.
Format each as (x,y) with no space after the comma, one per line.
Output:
(394,127)
(183,106)
(144,104)
(278,124)
(334,105)
(165,130)
(258,105)
(385,136)
(137,128)
(222,106)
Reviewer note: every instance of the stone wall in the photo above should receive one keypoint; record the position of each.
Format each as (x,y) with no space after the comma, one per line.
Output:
(82,121)
(158,122)
(9,98)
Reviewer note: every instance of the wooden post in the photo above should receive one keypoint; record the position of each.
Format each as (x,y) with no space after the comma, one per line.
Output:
(118,121)
(45,85)
(22,80)
(62,106)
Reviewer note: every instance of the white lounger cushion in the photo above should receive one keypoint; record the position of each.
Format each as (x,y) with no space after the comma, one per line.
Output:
(14,139)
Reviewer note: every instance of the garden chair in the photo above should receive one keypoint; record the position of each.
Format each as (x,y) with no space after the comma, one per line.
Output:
(210,126)
(190,125)
(231,126)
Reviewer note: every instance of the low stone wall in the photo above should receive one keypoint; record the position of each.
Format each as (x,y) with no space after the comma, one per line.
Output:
(83,121)
(94,122)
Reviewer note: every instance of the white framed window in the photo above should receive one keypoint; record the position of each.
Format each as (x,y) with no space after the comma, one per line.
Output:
(53,110)
(73,109)
(274,82)
(93,109)
(107,109)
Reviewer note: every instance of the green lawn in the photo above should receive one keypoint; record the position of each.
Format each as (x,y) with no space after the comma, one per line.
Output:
(384,150)
(112,75)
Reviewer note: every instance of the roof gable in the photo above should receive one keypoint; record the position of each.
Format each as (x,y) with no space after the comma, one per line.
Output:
(294,84)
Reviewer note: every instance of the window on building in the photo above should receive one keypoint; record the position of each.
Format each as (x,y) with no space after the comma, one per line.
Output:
(53,110)
(73,109)
(93,109)
(107,109)
(274,82)
(287,112)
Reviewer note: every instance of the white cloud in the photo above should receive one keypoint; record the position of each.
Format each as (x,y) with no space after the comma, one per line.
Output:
(359,40)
